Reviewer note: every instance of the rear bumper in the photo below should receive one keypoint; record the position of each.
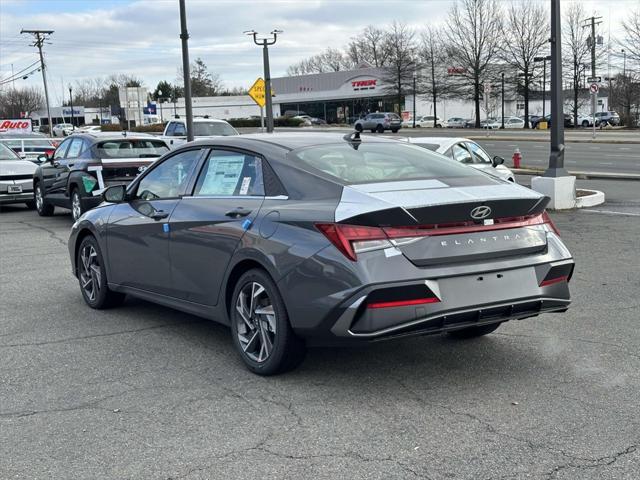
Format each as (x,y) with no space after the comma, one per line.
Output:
(6,198)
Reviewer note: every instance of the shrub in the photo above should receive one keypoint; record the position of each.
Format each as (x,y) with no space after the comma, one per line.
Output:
(111,127)
(153,128)
(255,122)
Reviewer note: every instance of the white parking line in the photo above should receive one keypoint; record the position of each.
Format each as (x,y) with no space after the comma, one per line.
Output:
(573,162)
(611,212)
(605,163)
(624,148)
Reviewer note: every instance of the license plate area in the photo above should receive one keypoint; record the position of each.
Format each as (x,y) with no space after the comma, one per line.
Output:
(15,189)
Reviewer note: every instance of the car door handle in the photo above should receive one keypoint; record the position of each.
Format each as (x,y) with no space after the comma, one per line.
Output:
(159,215)
(238,212)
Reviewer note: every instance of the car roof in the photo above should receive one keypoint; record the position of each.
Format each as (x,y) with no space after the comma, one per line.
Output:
(198,120)
(99,136)
(286,140)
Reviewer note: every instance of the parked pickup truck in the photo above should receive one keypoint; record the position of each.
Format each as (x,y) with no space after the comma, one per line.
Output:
(175,133)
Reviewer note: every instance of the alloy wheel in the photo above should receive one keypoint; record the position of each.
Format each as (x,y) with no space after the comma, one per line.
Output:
(76,208)
(90,274)
(39,199)
(255,322)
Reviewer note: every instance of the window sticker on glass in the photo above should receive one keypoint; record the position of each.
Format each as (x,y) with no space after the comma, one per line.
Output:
(222,175)
(244,188)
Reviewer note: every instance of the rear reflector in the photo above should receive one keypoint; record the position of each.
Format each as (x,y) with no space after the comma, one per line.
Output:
(403,303)
(553,281)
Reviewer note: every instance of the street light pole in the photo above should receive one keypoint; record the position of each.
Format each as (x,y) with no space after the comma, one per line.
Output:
(73,120)
(184,36)
(414,100)
(544,80)
(265,42)
(624,63)
(502,81)
(556,155)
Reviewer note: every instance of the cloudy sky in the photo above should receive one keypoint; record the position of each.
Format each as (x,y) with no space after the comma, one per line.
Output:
(140,37)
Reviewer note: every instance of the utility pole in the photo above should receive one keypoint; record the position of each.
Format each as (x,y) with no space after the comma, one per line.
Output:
(40,36)
(594,96)
(184,36)
(434,90)
(556,155)
(265,43)
(502,81)
(624,63)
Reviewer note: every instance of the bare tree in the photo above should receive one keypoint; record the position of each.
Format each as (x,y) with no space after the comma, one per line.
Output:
(402,62)
(330,60)
(473,39)
(526,34)
(14,101)
(432,81)
(630,41)
(576,52)
(370,47)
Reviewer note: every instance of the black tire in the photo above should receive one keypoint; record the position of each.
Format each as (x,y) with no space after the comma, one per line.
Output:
(438,126)
(97,295)
(76,204)
(358,128)
(287,350)
(373,130)
(380,129)
(44,209)
(394,130)
(585,124)
(31,205)
(473,332)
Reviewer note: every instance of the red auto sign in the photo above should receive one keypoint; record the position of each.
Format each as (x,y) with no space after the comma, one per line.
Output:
(22,125)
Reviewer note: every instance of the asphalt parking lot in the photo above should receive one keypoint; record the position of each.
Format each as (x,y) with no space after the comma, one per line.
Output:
(146,392)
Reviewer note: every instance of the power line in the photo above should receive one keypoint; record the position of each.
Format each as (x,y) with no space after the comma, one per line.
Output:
(15,76)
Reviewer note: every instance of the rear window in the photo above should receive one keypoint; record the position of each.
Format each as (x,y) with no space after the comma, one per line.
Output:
(379,162)
(431,146)
(132,148)
(206,129)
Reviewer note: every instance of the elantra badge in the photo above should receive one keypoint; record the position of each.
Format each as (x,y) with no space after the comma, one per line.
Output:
(480,212)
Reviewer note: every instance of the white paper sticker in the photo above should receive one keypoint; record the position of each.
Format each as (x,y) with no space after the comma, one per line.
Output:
(391,252)
(244,188)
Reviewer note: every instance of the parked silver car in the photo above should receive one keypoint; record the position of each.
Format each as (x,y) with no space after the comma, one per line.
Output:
(16,178)
(379,122)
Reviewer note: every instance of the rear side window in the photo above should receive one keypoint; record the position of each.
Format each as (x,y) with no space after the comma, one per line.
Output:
(378,162)
(75,148)
(230,174)
(179,130)
(132,148)
(208,129)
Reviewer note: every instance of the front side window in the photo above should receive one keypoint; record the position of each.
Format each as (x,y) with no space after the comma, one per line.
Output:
(61,150)
(6,153)
(378,162)
(230,174)
(180,130)
(460,154)
(170,178)
(480,156)
(75,149)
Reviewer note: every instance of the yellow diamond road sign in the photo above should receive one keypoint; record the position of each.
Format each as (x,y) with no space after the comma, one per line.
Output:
(257,92)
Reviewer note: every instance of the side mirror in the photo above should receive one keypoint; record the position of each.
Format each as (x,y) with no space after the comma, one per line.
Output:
(115,194)
(497,161)
(42,158)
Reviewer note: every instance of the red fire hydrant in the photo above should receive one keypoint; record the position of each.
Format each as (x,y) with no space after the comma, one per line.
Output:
(517,157)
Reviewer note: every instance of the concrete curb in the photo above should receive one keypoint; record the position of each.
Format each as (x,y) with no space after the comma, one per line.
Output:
(547,140)
(595,197)
(581,175)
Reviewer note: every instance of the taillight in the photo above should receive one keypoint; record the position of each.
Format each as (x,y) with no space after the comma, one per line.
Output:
(354,239)
(351,239)
(49,152)
(547,220)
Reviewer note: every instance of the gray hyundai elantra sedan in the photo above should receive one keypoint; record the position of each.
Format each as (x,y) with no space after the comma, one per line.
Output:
(304,239)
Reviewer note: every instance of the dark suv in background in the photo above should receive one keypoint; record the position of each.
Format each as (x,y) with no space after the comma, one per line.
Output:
(379,122)
(85,164)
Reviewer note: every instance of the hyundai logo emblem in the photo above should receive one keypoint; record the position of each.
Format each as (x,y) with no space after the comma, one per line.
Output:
(142,168)
(480,212)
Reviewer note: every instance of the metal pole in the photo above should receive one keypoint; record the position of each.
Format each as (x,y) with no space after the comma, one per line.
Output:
(544,87)
(502,125)
(594,104)
(261,120)
(184,35)
(556,154)
(267,86)
(73,119)
(414,101)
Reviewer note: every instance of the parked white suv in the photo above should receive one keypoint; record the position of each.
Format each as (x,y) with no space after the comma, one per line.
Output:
(175,133)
